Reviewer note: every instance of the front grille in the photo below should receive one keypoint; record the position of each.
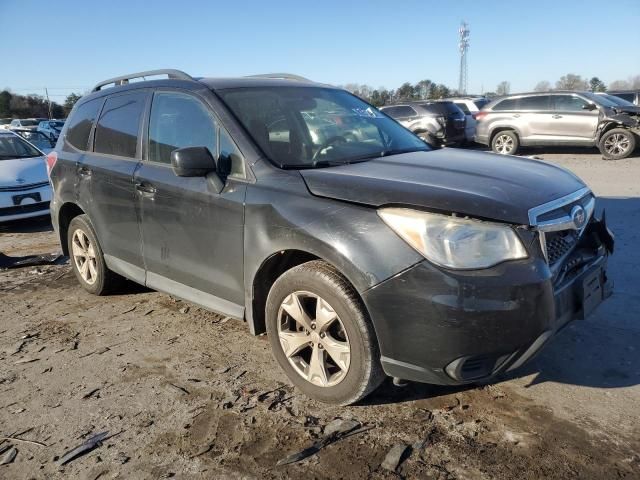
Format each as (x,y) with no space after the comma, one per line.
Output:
(21,209)
(559,244)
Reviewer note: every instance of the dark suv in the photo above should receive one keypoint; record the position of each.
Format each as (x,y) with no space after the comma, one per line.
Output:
(439,123)
(360,252)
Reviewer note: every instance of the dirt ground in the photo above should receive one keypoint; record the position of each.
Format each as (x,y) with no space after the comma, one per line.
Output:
(185,393)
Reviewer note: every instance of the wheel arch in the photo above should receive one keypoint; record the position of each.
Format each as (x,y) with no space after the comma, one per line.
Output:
(501,128)
(68,211)
(269,271)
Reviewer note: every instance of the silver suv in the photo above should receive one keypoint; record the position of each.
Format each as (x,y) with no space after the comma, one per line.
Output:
(580,119)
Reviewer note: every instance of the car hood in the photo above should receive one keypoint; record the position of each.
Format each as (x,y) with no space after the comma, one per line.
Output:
(22,171)
(478,184)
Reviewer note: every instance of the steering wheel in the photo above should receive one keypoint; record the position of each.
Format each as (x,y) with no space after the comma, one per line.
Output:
(333,140)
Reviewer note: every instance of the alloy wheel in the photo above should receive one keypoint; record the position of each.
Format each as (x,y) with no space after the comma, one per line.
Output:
(504,144)
(617,144)
(84,256)
(313,339)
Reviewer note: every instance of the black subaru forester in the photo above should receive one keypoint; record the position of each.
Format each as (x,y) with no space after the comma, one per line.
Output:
(319,220)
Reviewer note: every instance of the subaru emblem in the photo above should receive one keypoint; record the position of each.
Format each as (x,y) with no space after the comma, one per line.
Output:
(578,216)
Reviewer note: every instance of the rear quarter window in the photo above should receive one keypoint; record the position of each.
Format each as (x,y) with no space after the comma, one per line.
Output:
(506,104)
(119,125)
(81,122)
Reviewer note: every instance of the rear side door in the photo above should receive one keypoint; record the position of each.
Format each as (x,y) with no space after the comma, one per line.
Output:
(192,234)
(571,123)
(535,118)
(105,177)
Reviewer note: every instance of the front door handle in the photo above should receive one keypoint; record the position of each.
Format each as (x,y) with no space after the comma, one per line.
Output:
(84,171)
(145,188)
(556,116)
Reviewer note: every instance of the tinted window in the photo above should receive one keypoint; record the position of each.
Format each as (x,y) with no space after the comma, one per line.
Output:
(119,124)
(538,102)
(442,108)
(481,103)
(229,151)
(568,103)
(81,122)
(506,104)
(179,120)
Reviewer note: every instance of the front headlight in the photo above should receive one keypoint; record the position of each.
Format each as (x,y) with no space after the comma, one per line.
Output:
(454,242)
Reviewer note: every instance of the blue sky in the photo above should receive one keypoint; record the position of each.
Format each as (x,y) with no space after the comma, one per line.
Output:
(376,42)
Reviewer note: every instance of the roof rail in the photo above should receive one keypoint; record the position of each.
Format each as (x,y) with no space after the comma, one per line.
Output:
(283,76)
(124,79)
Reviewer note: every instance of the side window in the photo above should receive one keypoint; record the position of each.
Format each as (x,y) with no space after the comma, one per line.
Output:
(406,111)
(81,122)
(568,103)
(538,102)
(119,124)
(179,120)
(506,104)
(229,151)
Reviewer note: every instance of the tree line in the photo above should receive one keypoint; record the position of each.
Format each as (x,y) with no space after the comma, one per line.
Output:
(13,105)
(27,106)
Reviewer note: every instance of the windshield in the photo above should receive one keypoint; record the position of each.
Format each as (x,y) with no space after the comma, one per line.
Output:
(5,121)
(12,146)
(306,127)
(28,123)
(617,100)
(599,99)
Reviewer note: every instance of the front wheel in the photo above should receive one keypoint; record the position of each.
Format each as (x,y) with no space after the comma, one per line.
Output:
(617,143)
(505,142)
(321,336)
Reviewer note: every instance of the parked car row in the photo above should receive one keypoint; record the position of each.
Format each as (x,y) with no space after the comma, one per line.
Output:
(49,127)
(609,121)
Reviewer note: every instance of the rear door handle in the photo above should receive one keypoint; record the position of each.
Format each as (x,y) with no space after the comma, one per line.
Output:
(145,188)
(556,116)
(84,171)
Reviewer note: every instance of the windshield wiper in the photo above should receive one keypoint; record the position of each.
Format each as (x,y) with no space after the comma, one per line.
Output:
(387,153)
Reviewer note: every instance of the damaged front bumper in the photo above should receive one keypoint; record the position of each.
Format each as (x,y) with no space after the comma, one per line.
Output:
(454,327)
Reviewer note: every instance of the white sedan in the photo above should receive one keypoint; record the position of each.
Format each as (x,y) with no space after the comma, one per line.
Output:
(24,184)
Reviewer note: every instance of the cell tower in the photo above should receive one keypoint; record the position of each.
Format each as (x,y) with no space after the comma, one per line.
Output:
(463,45)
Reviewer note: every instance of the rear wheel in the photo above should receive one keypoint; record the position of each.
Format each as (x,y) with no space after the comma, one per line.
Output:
(617,143)
(87,259)
(505,142)
(321,336)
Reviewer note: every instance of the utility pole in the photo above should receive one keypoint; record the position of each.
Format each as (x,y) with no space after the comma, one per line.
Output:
(48,101)
(463,46)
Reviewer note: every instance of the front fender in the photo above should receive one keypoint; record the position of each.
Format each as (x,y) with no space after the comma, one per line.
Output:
(281,214)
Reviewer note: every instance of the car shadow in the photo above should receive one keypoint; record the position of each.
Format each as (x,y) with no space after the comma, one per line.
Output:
(28,225)
(600,352)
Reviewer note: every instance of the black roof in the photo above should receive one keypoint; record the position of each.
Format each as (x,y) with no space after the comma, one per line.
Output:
(257,82)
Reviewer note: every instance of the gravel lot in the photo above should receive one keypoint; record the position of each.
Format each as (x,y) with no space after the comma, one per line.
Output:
(189,394)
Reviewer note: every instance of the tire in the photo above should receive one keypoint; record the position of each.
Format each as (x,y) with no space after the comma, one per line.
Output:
(357,372)
(505,142)
(617,143)
(97,278)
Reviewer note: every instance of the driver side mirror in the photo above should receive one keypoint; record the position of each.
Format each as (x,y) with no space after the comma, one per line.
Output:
(589,106)
(192,162)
